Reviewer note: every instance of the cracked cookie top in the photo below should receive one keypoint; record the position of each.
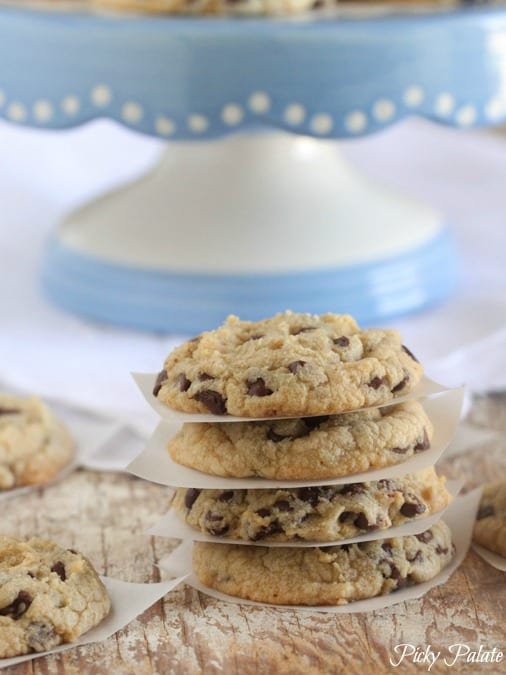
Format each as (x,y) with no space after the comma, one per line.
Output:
(48,596)
(288,365)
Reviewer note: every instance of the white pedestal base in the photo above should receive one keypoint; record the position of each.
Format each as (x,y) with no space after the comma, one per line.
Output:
(271,209)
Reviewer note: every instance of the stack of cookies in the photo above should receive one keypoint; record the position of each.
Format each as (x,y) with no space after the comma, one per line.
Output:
(316,397)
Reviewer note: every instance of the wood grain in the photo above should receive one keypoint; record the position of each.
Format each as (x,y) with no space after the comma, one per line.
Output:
(104,515)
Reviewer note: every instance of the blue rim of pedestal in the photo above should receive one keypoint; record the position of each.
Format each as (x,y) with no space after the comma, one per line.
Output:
(198,78)
(189,303)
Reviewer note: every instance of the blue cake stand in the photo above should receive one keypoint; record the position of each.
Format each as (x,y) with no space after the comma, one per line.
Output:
(252,209)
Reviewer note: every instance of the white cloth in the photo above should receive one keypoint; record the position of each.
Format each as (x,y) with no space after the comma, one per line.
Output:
(460,173)
(87,366)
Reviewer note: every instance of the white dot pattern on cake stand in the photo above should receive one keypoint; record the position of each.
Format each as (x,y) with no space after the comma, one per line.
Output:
(259,104)
(132,112)
(70,105)
(294,114)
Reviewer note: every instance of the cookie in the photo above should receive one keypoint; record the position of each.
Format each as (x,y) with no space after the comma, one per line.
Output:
(319,514)
(219,7)
(490,527)
(308,448)
(34,445)
(291,365)
(334,575)
(48,596)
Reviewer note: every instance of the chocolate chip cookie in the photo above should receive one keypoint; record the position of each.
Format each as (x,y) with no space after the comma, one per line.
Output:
(334,575)
(48,596)
(34,445)
(291,365)
(308,448)
(319,514)
(490,527)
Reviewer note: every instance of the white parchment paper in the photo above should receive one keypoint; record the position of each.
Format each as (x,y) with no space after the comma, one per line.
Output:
(490,557)
(146,381)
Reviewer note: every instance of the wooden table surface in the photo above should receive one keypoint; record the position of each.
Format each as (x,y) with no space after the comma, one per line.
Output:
(104,515)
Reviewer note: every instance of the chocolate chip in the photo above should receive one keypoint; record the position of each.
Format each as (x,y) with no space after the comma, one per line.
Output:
(311,495)
(362,523)
(353,489)
(226,496)
(71,550)
(59,569)
(377,382)
(191,497)
(345,547)
(182,382)
(276,438)
(387,484)
(394,571)
(214,524)
(387,548)
(342,341)
(255,337)
(405,349)
(425,537)
(263,513)
(272,528)
(314,422)
(18,606)
(213,401)
(401,384)
(160,379)
(412,509)
(346,515)
(217,531)
(305,329)
(203,377)
(485,511)
(440,550)
(424,444)
(399,451)
(213,517)
(258,388)
(295,366)
(396,574)
(283,505)
(401,583)
(418,557)
(31,574)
